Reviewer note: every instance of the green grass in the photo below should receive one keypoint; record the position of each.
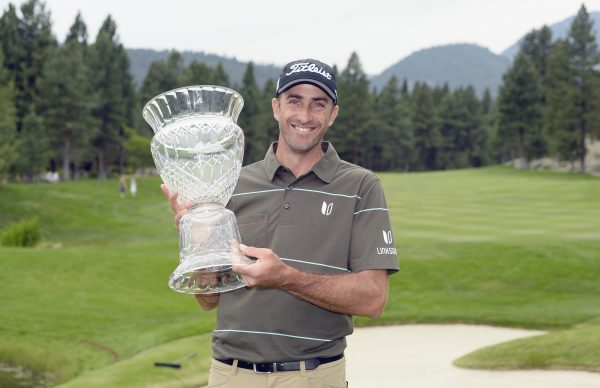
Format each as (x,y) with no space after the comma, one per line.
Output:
(492,246)
(575,349)
(533,286)
(501,247)
(139,369)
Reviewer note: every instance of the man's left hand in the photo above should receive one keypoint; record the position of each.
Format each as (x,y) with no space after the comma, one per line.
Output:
(267,271)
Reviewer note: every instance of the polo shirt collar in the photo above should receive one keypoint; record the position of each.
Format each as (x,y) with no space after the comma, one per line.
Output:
(324,169)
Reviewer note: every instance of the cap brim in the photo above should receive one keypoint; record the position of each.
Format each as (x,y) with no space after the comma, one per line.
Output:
(318,84)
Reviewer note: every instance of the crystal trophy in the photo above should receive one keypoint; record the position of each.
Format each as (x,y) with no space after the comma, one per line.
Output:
(198,150)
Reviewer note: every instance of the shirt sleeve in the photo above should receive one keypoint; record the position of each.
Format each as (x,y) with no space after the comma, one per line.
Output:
(372,241)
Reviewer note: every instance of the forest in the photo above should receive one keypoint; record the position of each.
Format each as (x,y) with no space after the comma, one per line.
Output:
(72,107)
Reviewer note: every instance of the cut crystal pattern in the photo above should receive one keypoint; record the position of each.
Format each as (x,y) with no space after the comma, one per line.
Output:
(198,150)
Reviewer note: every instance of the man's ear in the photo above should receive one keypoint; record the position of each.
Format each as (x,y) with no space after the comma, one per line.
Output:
(275,106)
(334,114)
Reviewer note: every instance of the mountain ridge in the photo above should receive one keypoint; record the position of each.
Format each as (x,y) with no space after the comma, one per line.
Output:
(559,31)
(457,64)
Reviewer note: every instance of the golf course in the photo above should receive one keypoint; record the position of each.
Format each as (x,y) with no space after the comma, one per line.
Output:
(89,306)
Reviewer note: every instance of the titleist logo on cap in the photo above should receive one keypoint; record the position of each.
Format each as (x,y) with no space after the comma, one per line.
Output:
(307,66)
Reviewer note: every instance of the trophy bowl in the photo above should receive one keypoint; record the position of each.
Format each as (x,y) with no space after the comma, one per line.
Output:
(198,150)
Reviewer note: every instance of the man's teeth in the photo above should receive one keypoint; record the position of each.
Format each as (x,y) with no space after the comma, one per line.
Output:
(303,129)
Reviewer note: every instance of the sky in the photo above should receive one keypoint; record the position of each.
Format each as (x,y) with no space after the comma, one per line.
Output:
(381,32)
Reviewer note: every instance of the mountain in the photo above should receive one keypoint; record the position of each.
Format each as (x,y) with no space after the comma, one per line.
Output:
(140,60)
(455,64)
(559,30)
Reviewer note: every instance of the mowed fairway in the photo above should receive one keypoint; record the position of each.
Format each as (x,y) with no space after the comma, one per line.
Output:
(493,204)
(492,246)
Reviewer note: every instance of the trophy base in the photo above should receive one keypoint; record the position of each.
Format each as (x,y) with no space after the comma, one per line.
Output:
(196,276)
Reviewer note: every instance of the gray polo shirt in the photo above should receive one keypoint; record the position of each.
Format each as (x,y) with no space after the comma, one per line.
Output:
(333,220)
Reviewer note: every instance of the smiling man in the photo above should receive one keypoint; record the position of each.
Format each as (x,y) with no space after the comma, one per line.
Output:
(320,230)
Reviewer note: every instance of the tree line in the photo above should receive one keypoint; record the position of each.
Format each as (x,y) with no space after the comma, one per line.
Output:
(73,106)
(550,98)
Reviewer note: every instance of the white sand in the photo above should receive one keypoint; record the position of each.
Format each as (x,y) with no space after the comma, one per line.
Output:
(420,356)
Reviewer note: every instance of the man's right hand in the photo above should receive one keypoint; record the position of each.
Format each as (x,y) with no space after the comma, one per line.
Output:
(178,209)
(207,301)
(203,279)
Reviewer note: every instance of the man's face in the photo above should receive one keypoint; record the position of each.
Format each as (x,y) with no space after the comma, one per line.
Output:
(304,113)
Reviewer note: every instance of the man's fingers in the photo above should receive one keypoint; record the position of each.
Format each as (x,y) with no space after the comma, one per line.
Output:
(173,201)
(165,191)
(241,269)
(170,196)
(259,253)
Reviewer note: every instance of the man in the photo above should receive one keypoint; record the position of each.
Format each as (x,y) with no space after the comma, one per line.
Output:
(320,231)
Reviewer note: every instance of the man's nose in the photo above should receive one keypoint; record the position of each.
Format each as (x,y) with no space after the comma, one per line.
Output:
(304,115)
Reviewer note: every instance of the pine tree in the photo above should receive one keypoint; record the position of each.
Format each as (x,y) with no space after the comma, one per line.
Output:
(463,136)
(78,32)
(486,102)
(453,124)
(114,84)
(380,156)
(349,134)
(34,145)
(475,142)
(425,125)
(405,131)
(391,136)
(519,106)
(584,60)
(488,112)
(197,73)
(65,104)
(165,75)
(32,43)
(538,48)
(562,116)
(265,121)
(11,41)
(8,131)
(221,77)
(255,137)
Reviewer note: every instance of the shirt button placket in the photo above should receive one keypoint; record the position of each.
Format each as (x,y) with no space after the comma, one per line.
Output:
(286,204)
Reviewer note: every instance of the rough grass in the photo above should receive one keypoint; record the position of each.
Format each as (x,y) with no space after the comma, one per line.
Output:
(492,246)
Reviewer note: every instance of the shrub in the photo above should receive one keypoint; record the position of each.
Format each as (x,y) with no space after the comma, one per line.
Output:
(23,234)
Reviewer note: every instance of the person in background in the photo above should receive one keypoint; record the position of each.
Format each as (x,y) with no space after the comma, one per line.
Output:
(122,186)
(133,187)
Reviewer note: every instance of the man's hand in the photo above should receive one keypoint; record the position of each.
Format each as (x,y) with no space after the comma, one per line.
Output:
(207,301)
(178,209)
(357,293)
(267,271)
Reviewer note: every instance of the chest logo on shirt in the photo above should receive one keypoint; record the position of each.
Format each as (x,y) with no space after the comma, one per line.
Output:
(387,238)
(326,208)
